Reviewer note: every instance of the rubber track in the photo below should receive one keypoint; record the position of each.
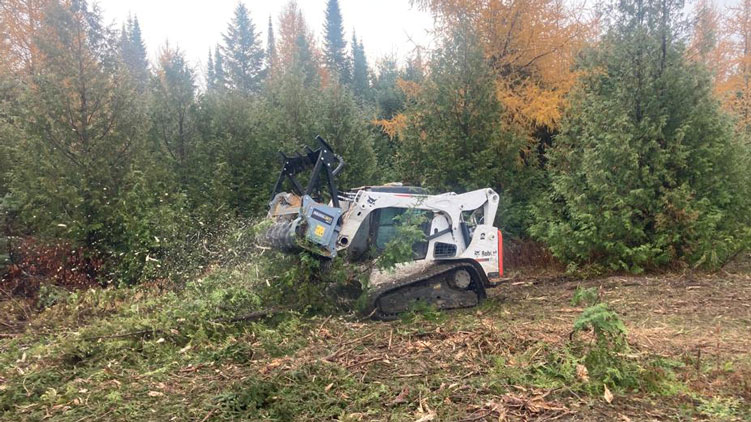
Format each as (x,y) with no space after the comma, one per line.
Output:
(434,271)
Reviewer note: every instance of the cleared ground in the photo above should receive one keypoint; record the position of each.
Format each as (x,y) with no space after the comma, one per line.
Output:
(510,359)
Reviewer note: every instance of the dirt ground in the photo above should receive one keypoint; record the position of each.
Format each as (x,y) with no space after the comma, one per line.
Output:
(496,362)
(704,314)
(701,319)
(448,368)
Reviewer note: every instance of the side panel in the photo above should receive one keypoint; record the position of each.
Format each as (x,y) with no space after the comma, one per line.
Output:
(486,249)
(400,272)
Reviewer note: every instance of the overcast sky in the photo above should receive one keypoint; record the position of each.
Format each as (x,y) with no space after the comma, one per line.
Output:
(385,26)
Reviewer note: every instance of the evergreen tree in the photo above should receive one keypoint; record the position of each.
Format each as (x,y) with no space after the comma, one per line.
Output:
(360,79)
(133,51)
(390,103)
(453,120)
(295,112)
(345,127)
(173,111)
(124,41)
(304,61)
(389,97)
(454,140)
(136,40)
(75,167)
(291,109)
(235,155)
(10,135)
(270,48)
(243,53)
(646,169)
(334,43)
(220,81)
(414,71)
(210,72)
(296,50)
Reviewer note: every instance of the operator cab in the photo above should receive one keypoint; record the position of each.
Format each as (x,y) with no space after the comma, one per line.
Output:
(380,226)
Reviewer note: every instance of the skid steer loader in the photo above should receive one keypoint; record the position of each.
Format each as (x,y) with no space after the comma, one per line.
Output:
(460,256)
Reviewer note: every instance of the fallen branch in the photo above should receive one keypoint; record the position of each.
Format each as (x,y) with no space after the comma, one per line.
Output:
(344,345)
(128,334)
(732,257)
(478,416)
(264,313)
(253,316)
(205,418)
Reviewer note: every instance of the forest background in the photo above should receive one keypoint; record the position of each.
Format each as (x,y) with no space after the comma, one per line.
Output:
(618,137)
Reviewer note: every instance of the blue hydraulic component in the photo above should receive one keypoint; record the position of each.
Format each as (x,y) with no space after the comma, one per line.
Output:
(323,224)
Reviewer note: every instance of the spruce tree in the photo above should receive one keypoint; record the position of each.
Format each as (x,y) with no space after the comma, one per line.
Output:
(414,71)
(390,102)
(304,61)
(136,40)
(270,48)
(389,97)
(334,43)
(345,126)
(133,51)
(173,110)
(646,170)
(243,53)
(210,72)
(220,81)
(291,106)
(360,79)
(236,154)
(75,168)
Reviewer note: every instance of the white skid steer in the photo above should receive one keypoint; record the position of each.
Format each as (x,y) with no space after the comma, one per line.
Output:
(460,255)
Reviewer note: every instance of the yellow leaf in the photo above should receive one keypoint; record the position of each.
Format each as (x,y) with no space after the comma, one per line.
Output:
(608,395)
(582,373)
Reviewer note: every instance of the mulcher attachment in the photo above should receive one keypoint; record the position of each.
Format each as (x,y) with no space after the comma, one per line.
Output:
(300,220)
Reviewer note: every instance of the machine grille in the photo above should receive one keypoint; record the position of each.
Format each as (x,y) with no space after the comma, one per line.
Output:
(444,250)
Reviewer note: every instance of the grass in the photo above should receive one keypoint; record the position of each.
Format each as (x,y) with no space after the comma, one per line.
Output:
(165,353)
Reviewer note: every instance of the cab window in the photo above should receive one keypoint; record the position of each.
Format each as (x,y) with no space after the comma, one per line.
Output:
(385,229)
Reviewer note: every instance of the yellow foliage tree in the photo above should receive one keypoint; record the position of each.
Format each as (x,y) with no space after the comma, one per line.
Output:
(531,45)
(296,45)
(737,87)
(20,21)
(709,44)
